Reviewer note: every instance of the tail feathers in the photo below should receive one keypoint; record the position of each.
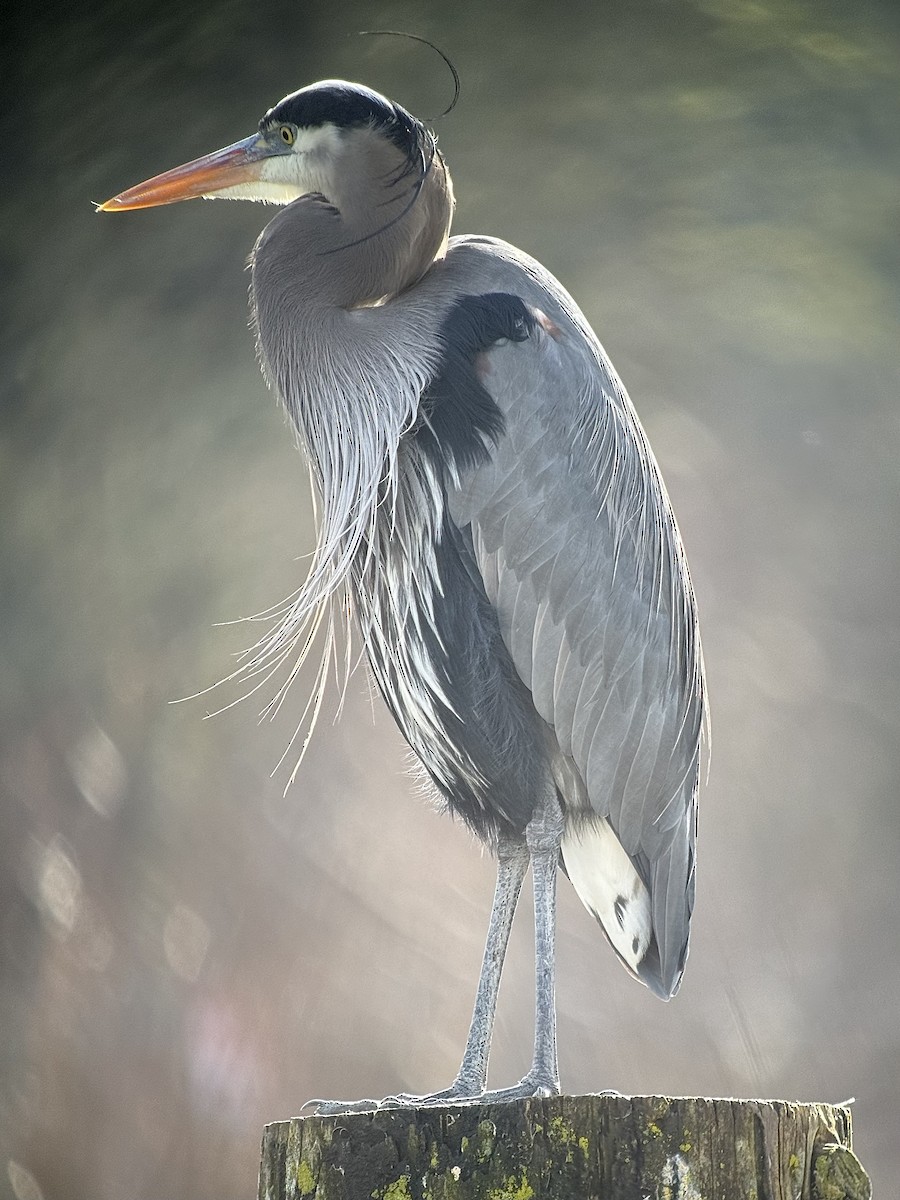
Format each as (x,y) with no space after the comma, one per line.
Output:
(609,886)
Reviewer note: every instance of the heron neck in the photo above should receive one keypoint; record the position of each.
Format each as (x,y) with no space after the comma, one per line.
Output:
(362,244)
(349,346)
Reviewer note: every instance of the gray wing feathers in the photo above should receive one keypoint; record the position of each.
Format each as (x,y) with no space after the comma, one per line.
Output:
(672,896)
(580,555)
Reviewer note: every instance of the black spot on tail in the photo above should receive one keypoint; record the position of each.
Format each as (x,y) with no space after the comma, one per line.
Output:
(619,906)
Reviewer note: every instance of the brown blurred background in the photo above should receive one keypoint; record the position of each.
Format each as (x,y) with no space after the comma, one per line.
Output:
(185,953)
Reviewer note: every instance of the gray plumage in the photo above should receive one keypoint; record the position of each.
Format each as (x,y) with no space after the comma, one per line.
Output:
(492,515)
(582,560)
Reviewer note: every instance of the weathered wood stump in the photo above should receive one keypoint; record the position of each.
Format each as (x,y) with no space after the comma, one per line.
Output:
(569,1148)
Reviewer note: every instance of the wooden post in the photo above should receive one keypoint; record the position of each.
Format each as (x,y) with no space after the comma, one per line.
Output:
(569,1148)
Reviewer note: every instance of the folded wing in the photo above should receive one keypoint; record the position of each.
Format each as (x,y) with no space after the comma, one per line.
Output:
(580,555)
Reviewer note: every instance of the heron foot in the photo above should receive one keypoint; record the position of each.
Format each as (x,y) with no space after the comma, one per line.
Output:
(535,1083)
(333,1108)
(457,1093)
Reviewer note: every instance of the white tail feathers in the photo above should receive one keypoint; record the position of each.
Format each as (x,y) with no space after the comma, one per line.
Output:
(609,887)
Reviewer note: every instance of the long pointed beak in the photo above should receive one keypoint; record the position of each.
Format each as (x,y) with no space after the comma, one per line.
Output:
(207,176)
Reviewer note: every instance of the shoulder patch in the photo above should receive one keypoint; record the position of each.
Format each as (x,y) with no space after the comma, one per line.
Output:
(459,418)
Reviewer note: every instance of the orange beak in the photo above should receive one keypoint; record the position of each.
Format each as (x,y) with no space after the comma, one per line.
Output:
(207,176)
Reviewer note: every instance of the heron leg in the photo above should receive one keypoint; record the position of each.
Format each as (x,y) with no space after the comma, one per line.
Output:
(511,867)
(512,863)
(543,835)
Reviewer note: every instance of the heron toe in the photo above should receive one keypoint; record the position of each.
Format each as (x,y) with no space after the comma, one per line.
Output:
(457,1093)
(334,1108)
(533,1084)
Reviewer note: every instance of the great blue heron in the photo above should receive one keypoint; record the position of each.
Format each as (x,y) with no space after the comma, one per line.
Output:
(492,514)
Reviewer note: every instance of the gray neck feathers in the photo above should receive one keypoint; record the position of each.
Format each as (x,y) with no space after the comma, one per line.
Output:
(349,355)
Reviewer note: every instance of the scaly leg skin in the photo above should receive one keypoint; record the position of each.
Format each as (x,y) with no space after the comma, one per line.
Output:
(543,834)
(470,1083)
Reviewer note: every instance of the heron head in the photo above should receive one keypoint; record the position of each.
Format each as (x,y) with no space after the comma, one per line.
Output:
(315,140)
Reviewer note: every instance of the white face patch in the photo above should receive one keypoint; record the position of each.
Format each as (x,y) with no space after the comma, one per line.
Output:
(323,142)
(308,167)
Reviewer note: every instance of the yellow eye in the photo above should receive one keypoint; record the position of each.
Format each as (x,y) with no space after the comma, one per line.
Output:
(287,135)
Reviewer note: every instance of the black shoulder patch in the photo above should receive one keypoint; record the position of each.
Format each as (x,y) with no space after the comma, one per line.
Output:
(458,415)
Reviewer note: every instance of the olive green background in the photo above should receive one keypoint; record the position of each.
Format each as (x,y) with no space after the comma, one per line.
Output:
(185,953)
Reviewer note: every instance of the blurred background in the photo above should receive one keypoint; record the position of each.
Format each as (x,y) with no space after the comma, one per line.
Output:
(185,952)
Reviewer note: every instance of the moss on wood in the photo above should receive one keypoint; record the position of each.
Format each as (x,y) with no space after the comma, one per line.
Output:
(568,1148)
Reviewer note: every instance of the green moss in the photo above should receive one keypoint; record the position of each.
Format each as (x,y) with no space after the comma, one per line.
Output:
(513,1189)
(562,1130)
(796,1172)
(838,1175)
(485,1139)
(306,1181)
(563,1134)
(687,1141)
(398,1190)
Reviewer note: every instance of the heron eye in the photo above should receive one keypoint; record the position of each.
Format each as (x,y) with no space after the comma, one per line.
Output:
(287,135)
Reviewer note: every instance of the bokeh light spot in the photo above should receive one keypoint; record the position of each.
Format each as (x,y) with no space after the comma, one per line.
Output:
(59,886)
(185,941)
(99,771)
(23,1183)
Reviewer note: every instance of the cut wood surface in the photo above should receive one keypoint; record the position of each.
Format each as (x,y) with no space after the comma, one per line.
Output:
(599,1147)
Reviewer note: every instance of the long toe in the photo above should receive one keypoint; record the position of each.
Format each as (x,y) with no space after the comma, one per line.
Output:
(456,1093)
(532,1085)
(331,1108)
